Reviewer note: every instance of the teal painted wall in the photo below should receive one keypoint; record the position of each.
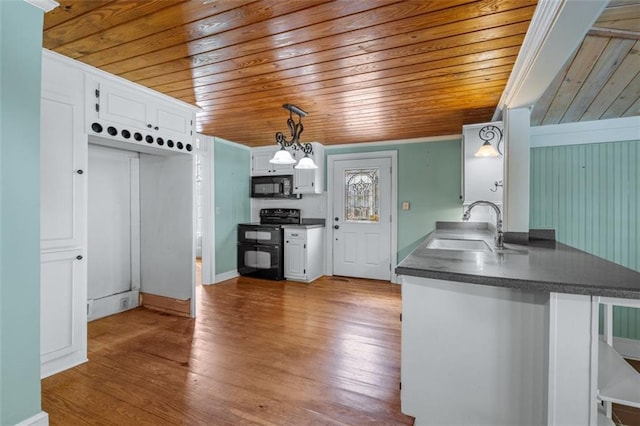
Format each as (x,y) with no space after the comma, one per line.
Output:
(20,64)
(429,177)
(232,164)
(591,195)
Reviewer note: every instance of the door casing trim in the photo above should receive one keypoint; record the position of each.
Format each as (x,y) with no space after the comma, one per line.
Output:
(331,159)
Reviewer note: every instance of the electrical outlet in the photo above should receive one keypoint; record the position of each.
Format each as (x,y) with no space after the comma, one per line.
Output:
(405,205)
(124,303)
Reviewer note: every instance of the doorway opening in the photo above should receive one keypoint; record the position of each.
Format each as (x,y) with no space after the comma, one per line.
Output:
(113,238)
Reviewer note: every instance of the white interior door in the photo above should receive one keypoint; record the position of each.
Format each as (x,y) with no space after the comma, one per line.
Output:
(112,229)
(362,218)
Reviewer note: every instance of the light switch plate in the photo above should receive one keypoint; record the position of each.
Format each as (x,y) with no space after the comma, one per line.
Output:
(405,205)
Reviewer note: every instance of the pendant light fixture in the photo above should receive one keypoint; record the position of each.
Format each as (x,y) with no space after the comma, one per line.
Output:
(487,134)
(283,156)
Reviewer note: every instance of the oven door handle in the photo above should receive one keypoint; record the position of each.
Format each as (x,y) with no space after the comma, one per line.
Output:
(267,246)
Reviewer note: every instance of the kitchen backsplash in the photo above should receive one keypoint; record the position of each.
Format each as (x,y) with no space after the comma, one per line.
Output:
(311,206)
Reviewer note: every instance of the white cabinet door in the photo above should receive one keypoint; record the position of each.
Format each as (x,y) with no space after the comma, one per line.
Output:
(62,173)
(482,173)
(118,105)
(310,181)
(63,319)
(260,165)
(171,121)
(295,254)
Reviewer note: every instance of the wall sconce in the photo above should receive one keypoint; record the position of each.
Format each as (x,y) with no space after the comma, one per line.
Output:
(488,134)
(283,156)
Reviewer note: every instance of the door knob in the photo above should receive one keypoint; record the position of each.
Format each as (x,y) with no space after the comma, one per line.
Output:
(336,226)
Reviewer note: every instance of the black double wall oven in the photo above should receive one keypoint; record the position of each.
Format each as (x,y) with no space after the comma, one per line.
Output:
(261,245)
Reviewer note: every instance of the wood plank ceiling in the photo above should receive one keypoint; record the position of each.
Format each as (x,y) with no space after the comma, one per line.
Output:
(602,79)
(364,70)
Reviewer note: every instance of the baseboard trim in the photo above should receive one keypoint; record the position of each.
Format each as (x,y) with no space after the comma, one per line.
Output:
(226,276)
(628,348)
(40,419)
(169,305)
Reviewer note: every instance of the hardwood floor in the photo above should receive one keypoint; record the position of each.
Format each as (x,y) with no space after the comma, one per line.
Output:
(259,352)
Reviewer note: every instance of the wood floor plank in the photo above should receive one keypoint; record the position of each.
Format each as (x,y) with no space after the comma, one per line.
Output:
(259,353)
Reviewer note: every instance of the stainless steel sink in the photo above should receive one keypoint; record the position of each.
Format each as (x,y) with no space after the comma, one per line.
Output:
(458,244)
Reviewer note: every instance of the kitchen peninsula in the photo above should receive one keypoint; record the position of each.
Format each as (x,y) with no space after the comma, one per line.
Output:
(508,336)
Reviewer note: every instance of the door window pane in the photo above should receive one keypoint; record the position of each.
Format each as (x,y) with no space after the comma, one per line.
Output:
(362,195)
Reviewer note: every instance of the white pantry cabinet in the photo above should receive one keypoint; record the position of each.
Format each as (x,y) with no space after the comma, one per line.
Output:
(63,161)
(481,174)
(303,253)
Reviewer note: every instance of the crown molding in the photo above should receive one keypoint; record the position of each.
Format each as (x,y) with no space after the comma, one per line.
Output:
(46,5)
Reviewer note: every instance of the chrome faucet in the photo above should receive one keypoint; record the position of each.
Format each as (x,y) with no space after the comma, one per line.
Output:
(499,237)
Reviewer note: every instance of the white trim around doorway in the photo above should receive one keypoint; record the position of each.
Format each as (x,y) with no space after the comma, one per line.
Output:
(331,159)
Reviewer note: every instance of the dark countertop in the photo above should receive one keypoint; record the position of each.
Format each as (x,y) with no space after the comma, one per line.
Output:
(541,265)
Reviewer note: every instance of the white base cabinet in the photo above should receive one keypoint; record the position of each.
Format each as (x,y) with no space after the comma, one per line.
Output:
(303,253)
(471,354)
(63,319)
(485,355)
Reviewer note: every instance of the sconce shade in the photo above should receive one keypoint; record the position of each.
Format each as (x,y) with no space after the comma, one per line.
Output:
(486,150)
(306,163)
(282,157)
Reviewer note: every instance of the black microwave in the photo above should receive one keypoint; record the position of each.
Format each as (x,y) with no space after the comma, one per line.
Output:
(280,186)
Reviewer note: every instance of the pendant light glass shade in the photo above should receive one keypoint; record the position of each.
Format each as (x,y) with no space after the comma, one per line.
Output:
(306,163)
(486,150)
(282,157)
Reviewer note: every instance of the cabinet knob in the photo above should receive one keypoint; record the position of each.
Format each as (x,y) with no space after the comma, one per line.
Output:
(79,171)
(156,128)
(336,226)
(149,126)
(79,257)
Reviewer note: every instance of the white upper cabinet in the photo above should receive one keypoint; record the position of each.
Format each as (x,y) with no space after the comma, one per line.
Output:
(306,181)
(310,181)
(482,176)
(260,165)
(129,113)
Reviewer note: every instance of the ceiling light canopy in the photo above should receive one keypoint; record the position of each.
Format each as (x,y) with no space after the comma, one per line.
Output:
(283,156)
